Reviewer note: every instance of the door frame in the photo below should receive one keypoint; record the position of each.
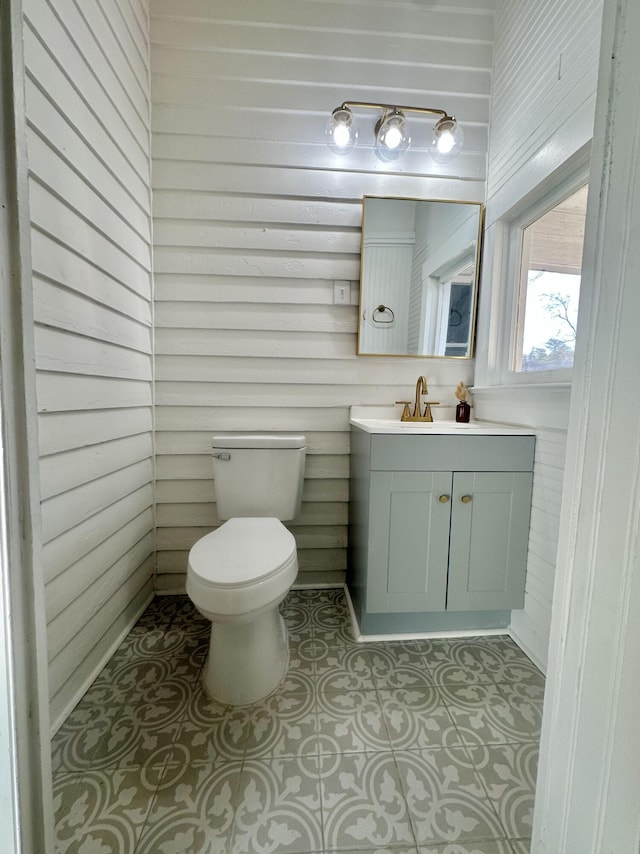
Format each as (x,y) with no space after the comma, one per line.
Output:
(26,803)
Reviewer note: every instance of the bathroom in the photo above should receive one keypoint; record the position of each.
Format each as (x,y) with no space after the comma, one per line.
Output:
(188,226)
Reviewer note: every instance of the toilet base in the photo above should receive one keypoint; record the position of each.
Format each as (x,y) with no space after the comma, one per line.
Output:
(247,660)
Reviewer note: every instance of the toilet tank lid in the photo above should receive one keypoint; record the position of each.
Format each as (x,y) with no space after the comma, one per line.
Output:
(258,440)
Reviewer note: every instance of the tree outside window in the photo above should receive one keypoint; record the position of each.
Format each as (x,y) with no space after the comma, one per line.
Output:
(550,286)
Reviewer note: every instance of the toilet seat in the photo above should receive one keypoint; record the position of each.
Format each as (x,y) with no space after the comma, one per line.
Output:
(245,565)
(242,551)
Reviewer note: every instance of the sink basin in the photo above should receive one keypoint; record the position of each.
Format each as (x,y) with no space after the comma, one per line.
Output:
(440,428)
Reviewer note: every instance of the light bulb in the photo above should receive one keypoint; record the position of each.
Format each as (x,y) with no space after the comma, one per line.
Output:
(341,136)
(392,138)
(447,140)
(341,131)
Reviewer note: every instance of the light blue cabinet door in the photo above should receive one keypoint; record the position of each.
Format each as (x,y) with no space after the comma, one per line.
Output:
(408,541)
(489,539)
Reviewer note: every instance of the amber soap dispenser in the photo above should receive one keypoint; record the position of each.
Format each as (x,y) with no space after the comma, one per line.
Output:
(463,409)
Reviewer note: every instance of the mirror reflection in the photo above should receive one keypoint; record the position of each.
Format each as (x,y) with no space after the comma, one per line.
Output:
(418,277)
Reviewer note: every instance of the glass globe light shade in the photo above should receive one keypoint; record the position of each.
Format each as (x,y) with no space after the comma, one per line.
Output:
(448,138)
(341,131)
(392,136)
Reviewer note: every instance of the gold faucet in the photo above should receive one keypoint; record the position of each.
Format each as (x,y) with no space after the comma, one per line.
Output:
(421,388)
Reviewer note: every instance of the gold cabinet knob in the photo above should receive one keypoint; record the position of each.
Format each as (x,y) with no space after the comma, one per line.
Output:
(465,499)
(443,499)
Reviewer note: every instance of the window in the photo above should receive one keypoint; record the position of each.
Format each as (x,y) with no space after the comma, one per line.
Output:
(549,286)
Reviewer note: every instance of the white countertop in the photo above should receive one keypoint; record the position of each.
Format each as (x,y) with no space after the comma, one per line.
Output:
(387,420)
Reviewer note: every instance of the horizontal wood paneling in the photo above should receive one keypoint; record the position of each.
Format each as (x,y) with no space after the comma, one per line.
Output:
(69,227)
(62,263)
(62,512)
(65,183)
(82,655)
(78,60)
(193,442)
(94,591)
(274,68)
(87,102)
(311,319)
(63,431)
(188,466)
(99,128)
(61,472)
(58,133)
(78,542)
(129,543)
(326,182)
(312,18)
(254,219)
(72,353)
(292,290)
(200,491)
(60,392)
(59,307)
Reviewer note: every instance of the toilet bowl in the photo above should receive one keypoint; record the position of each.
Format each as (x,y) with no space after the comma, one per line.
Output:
(238,575)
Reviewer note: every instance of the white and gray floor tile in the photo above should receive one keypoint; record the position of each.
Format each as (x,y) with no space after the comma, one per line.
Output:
(399,747)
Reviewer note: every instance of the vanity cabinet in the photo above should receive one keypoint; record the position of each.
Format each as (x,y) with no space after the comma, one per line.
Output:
(439,529)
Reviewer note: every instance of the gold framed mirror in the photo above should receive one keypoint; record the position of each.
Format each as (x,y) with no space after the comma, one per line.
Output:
(419,272)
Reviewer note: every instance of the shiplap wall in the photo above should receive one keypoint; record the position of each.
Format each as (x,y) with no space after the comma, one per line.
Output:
(87,102)
(545,75)
(254,219)
(545,78)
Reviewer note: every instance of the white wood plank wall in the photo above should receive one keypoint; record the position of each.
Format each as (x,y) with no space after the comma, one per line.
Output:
(87,104)
(545,74)
(254,219)
(545,80)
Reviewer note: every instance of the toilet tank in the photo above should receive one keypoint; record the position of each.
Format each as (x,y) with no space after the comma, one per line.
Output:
(258,474)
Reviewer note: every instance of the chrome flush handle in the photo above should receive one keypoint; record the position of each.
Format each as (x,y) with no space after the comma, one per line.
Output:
(222,455)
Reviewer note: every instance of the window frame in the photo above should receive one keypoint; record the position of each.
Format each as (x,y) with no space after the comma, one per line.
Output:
(514,278)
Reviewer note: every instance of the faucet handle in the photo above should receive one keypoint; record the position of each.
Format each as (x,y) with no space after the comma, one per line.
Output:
(406,415)
(427,409)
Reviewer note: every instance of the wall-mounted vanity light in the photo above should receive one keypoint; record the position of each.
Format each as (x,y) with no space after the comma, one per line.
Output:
(392,135)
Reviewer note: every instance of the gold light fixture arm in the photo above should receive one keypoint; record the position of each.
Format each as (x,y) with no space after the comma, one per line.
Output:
(394,107)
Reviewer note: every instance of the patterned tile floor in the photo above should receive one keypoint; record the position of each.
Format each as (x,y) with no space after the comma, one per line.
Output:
(415,747)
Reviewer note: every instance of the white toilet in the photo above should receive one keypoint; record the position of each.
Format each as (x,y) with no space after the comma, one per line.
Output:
(238,574)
